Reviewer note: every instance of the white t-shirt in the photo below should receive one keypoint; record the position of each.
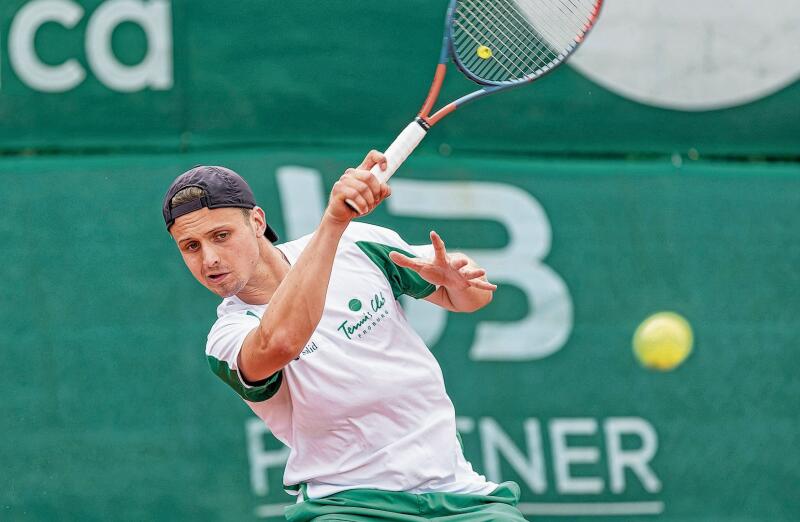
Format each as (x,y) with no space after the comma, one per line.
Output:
(364,404)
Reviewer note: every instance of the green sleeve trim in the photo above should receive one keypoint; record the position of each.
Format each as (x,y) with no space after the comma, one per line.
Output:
(403,280)
(265,389)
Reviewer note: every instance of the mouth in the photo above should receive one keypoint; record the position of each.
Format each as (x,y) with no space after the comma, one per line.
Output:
(218,278)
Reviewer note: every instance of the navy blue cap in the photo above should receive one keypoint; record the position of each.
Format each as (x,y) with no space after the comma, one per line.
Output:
(222,188)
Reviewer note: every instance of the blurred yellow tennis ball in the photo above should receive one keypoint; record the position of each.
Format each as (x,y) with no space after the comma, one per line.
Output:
(484,52)
(663,341)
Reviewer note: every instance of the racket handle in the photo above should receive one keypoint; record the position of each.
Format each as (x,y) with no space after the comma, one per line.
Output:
(400,149)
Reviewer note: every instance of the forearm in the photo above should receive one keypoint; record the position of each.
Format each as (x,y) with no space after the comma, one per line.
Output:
(296,307)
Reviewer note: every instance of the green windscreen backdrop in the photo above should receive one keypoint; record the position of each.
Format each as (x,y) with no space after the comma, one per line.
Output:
(110,412)
(657,171)
(177,74)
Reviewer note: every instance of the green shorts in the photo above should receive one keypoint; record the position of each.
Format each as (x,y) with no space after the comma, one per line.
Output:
(363,505)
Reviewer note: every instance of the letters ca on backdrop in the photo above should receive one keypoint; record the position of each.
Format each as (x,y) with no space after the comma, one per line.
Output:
(154,71)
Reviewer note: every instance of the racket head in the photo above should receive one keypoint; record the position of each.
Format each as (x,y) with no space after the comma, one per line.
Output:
(509,42)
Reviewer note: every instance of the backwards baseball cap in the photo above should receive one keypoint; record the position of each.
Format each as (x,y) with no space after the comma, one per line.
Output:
(221,187)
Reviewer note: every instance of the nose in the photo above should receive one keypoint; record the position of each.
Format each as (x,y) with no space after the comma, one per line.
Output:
(210,257)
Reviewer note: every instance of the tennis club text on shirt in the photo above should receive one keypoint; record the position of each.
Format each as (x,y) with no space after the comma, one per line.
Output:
(368,320)
(25,45)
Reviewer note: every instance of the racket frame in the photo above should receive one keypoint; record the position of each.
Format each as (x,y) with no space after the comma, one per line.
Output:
(448,53)
(415,131)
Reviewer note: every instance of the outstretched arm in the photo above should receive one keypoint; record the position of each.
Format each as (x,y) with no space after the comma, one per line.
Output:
(462,284)
(297,305)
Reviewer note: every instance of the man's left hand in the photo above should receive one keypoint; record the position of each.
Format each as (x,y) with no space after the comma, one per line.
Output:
(452,271)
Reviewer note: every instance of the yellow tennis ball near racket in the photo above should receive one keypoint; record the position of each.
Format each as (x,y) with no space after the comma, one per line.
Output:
(663,341)
(484,52)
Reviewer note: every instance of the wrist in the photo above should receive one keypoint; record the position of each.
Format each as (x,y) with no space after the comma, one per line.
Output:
(331,224)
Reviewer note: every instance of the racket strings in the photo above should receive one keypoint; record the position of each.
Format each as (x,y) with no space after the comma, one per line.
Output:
(544,32)
(560,25)
(479,66)
(505,61)
(512,59)
(505,21)
(502,22)
(551,28)
(563,20)
(507,40)
(542,53)
(512,45)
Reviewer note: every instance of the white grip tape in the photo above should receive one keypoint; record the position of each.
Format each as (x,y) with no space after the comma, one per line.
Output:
(399,150)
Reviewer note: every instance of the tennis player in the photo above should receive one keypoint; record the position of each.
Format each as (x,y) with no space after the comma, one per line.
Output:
(311,335)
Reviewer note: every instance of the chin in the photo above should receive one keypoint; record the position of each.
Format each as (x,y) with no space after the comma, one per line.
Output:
(228,290)
(225,292)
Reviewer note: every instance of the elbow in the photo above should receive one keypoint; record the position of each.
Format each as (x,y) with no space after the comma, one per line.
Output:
(280,347)
(283,354)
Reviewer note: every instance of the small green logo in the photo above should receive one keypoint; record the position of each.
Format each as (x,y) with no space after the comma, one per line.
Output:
(354,304)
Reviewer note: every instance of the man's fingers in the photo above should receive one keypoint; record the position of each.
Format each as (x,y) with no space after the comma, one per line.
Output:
(350,203)
(358,190)
(404,261)
(472,273)
(459,263)
(368,178)
(370,187)
(438,246)
(365,191)
(353,197)
(373,158)
(365,183)
(482,284)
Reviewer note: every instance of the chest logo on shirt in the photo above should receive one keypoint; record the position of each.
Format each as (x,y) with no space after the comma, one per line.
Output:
(366,320)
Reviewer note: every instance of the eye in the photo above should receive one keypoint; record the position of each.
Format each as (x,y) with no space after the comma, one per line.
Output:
(192,246)
(222,236)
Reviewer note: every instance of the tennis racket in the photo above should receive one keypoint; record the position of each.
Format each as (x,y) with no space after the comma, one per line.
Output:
(498,44)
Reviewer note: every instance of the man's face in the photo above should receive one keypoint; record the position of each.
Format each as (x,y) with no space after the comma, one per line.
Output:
(219,246)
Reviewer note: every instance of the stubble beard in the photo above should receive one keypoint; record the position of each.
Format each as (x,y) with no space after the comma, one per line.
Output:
(230,289)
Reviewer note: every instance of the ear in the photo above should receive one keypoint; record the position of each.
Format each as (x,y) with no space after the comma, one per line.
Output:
(259,221)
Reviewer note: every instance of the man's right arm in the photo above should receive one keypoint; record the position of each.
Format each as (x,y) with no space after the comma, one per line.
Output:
(296,307)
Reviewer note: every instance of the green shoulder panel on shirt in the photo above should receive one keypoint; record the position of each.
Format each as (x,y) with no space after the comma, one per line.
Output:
(260,393)
(403,280)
